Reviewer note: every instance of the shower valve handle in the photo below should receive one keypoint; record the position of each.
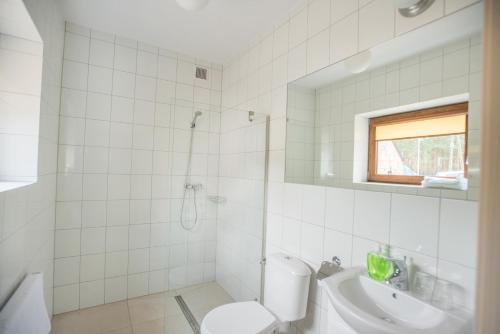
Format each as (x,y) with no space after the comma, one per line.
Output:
(195,186)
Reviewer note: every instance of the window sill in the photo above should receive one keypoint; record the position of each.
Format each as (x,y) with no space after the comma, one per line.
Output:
(396,186)
(11,185)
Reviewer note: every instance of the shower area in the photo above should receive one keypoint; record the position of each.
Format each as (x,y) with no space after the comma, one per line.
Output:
(240,202)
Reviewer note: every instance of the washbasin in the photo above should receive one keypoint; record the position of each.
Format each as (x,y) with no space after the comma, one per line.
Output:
(374,307)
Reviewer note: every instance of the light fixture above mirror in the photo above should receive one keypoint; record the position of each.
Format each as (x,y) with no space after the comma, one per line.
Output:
(412,8)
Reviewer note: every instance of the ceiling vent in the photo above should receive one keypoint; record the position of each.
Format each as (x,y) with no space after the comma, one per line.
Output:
(201,73)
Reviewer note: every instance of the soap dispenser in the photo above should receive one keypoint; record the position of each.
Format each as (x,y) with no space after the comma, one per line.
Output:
(378,263)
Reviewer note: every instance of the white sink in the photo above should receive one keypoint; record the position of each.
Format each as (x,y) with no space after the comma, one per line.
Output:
(377,308)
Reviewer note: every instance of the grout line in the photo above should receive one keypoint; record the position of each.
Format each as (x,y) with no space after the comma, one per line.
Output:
(108,148)
(188,314)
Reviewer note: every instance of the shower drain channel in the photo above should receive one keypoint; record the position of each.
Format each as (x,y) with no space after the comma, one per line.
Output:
(188,314)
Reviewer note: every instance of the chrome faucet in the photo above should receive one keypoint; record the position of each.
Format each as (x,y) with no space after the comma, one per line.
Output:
(399,278)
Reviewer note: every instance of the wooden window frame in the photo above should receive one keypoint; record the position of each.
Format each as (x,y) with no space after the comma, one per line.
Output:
(428,113)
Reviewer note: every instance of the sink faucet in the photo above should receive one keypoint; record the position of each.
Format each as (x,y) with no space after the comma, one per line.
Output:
(399,279)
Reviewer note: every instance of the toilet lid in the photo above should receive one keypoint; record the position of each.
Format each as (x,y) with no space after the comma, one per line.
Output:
(241,318)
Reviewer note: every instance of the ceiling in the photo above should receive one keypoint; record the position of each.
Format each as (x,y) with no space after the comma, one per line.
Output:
(16,21)
(216,33)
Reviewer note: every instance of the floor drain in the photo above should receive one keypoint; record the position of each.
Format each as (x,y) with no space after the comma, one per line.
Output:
(188,314)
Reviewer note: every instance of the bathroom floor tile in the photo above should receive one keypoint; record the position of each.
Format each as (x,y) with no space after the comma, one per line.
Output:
(147,308)
(152,314)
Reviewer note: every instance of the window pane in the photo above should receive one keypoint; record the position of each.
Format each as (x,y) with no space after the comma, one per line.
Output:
(427,156)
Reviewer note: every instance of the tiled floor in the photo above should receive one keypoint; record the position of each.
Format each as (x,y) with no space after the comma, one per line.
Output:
(154,314)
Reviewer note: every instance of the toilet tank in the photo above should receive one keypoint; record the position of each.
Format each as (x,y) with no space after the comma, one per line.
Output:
(286,287)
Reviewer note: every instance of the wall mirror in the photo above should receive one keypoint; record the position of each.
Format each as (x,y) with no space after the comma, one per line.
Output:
(385,119)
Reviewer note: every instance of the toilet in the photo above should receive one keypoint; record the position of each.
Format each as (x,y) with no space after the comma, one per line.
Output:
(286,293)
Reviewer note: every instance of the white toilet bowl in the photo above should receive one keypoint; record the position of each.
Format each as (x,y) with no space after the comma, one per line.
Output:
(287,288)
(241,318)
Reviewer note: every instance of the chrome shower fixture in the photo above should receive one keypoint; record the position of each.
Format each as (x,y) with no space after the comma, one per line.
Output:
(412,8)
(251,115)
(196,115)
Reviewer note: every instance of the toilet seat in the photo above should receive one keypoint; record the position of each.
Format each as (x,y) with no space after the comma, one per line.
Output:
(242,318)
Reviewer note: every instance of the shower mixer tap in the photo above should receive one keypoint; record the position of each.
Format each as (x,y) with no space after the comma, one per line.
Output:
(193,186)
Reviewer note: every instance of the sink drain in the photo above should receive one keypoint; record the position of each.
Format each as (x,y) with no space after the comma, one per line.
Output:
(386,319)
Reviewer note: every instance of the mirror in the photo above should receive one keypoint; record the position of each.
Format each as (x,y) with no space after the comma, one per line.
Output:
(330,112)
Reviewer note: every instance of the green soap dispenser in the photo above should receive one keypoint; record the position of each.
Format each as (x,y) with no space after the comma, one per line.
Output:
(378,264)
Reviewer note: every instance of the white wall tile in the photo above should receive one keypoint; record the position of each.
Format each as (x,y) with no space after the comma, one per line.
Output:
(118,213)
(75,75)
(147,63)
(311,242)
(94,186)
(73,102)
(291,235)
(100,79)
(137,285)
(116,263)
(93,240)
(118,186)
(313,205)
(318,17)
(298,28)
(344,38)
(95,159)
(66,298)
(138,260)
(92,267)
(376,23)
(91,293)
(125,59)
(98,106)
(116,238)
(115,289)
(454,5)
(372,212)
(339,209)
(167,68)
(76,47)
(96,133)
(123,84)
(101,53)
(318,51)
(67,243)
(66,271)
(93,213)
(68,215)
(341,9)
(458,232)
(292,202)
(297,62)
(415,223)
(337,244)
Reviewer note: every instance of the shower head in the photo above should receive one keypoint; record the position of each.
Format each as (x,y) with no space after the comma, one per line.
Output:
(196,115)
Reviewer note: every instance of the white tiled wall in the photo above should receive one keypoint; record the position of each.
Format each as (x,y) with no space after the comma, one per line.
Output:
(126,109)
(27,214)
(20,87)
(301,107)
(344,222)
(241,217)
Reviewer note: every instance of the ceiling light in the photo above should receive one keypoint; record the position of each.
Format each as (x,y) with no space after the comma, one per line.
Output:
(412,8)
(358,63)
(192,4)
